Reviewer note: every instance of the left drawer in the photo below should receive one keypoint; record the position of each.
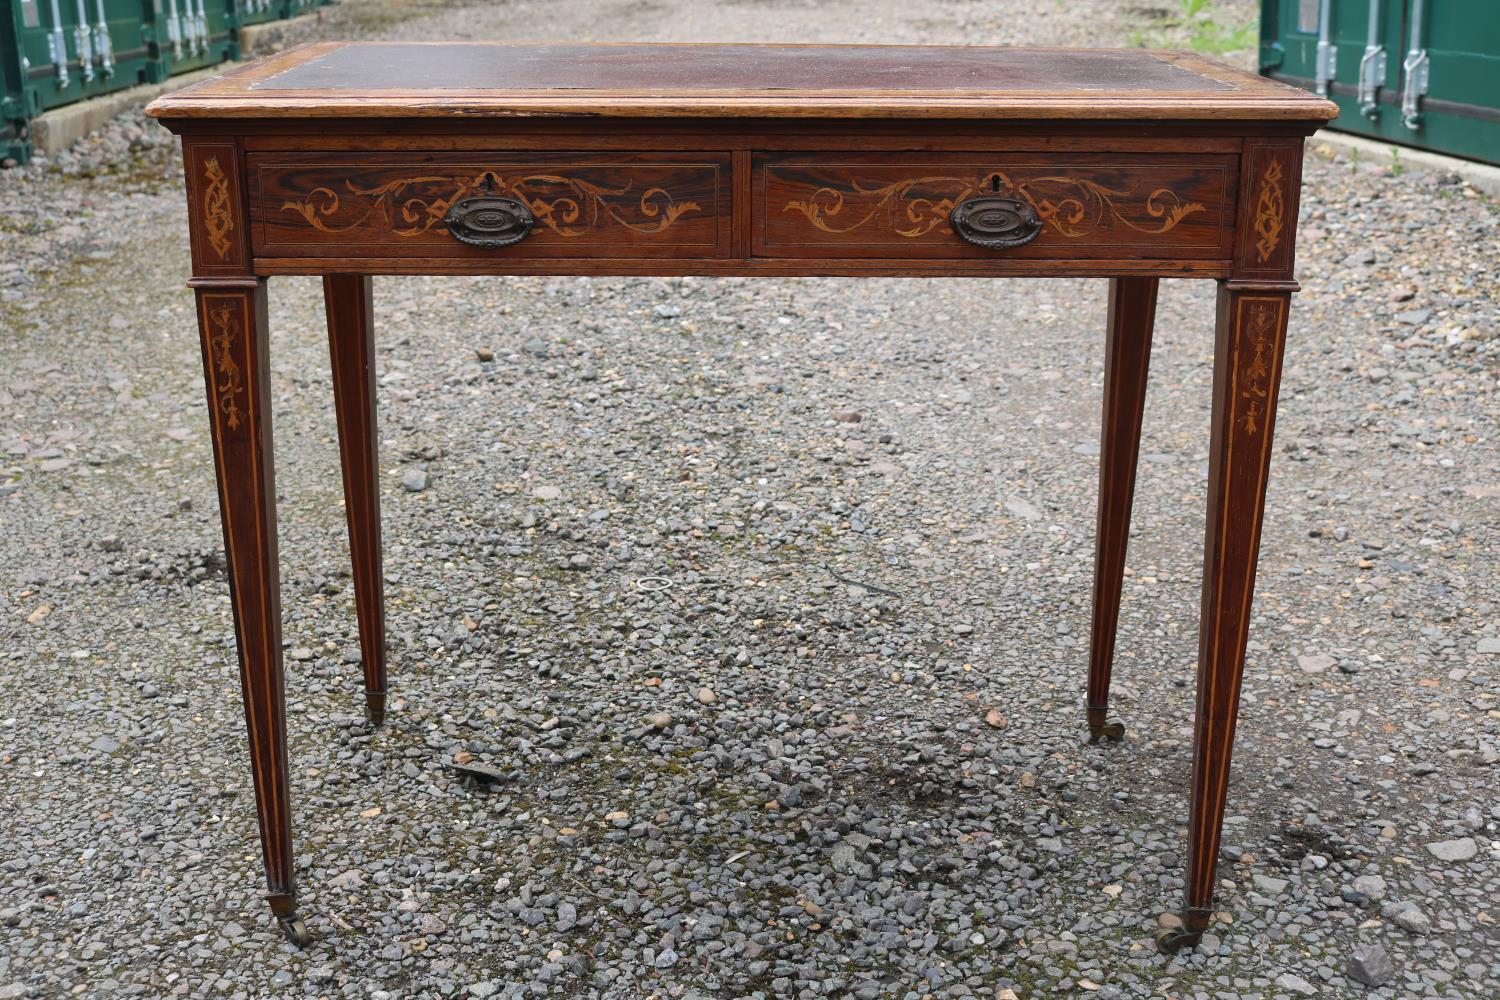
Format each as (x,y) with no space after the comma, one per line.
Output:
(587,205)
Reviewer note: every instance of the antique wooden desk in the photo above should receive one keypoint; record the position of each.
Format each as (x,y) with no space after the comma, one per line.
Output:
(347,160)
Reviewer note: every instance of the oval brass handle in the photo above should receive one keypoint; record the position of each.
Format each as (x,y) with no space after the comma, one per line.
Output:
(995,223)
(489,222)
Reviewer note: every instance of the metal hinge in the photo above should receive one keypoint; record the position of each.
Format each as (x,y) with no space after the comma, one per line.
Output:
(1371,76)
(174,29)
(57,47)
(1415,71)
(1327,64)
(81,35)
(102,40)
(1416,68)
(200,28)
(1372,67)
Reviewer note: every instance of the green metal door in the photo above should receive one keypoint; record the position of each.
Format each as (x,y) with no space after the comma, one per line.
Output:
(55,52)
(189,35)
(1423,73)
(257,11)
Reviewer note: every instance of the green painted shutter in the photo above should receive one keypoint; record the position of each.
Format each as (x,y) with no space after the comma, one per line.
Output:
(1457,45)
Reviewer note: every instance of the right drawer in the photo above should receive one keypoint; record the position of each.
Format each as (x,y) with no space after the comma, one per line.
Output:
(1086,205)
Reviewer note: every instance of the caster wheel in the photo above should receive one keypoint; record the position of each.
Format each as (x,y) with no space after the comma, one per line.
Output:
(1112,731)
(1170,940)
(295,928)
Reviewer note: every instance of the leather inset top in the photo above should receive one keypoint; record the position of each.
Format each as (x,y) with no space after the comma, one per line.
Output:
(697,69)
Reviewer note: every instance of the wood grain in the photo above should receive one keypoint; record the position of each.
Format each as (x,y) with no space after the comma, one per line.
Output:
(1248,350)
(586,204)
(1093,205)
(349,302)
(217,231)
(405,80)
(999,267)
(1127,357)
(232,326)
(694,160)
(1271,177)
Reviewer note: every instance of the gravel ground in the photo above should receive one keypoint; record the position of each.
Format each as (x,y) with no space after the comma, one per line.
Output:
(842,754)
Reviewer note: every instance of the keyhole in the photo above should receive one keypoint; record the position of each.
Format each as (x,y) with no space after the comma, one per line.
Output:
(995,183)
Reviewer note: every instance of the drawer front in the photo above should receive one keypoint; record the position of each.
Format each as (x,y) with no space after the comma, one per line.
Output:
(582,205)
(1088,205)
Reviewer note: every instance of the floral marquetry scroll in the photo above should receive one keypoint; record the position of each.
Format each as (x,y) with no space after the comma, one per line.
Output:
(1262,322)
(214,197)
(1269,183)
(218,218)
(1072,207)
(1270,210)
(224,329)
(572,204)
(901,204)
(568,206)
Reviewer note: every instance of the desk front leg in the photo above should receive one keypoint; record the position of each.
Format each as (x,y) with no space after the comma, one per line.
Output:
(1247,373)
(232,324)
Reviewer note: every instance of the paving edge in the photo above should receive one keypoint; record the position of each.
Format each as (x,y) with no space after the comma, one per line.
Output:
(1483,177)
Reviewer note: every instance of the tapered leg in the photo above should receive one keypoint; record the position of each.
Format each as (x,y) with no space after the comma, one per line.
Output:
(351,342)
(1132,311)
(1247,372)
(232,323)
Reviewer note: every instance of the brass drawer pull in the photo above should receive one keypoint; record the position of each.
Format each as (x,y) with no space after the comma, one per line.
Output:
(488,221)
(996,223)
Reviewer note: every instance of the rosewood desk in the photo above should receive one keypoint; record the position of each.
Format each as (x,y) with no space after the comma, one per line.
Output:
(347,160)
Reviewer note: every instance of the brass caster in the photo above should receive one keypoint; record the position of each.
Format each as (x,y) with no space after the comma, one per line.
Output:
(1101,727)
(1192,922)
(1113,731)
(1170,940)
(295,928)
(375,707)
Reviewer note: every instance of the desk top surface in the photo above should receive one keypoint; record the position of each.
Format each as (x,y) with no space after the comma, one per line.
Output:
(490,79)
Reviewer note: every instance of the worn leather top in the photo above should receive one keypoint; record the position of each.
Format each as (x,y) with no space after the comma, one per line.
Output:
(413,79)
(704,69)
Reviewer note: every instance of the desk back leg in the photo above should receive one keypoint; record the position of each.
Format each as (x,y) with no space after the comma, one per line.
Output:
(351,344)
(1132,313)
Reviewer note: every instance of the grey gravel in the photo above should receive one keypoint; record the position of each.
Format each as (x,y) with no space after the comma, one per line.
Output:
(1409,917)
(1297,985)
(888,794)
(1270,886)
(1372,887)
(1462,849)
(1371,965)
